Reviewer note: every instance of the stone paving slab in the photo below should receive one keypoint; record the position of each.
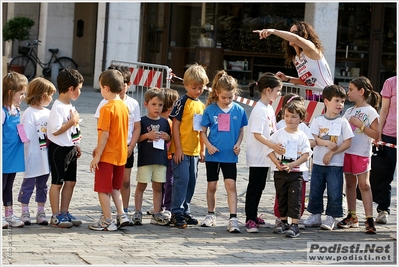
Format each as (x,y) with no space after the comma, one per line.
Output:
(163,245)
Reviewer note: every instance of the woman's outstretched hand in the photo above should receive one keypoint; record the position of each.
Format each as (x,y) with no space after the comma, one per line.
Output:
(264,33)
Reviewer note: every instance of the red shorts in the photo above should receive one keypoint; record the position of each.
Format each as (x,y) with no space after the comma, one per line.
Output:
(354,164)
(108,177)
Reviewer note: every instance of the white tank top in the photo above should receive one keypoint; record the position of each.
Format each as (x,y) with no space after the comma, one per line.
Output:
(313,72)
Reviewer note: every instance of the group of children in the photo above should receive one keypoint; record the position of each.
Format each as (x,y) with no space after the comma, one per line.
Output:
(41,141)
(175,135)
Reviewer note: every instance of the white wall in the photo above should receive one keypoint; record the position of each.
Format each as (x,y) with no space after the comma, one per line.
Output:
(323,17)
(123,34)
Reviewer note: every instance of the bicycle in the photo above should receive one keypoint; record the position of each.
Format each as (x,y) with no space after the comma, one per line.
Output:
(29,60)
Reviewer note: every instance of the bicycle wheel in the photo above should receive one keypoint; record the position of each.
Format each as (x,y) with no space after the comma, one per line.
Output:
(28,64)
(66,63)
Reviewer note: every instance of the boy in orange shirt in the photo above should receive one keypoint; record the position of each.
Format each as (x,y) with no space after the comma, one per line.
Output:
(110,155)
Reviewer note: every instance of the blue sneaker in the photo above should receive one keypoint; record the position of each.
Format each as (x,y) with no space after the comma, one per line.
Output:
(60,220)
(73,220)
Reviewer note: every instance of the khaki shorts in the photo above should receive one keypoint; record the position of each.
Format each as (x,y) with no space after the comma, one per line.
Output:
(148,173)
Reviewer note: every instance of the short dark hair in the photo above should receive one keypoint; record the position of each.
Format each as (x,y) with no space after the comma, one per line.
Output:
(125,70)
(154,92)
(113,79)
(298,107)
(67,78)
(334,90)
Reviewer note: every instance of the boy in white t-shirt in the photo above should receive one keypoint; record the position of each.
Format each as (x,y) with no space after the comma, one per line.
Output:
(333,136)
(134,129)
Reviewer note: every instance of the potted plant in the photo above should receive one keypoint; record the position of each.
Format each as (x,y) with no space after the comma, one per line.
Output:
(17,28)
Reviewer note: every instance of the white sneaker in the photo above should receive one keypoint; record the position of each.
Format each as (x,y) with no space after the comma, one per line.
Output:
(382,217)
(232,227)
(314,220)
(328,223)
(5,223)
(122,220)
(41,218)
(14,221)
(210,220)
(25,217)
(301,225)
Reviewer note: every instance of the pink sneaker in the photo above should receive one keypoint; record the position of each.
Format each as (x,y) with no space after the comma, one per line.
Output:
(261,223)
(251,227)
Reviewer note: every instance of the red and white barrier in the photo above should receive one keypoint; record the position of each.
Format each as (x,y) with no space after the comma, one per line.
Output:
(146,77)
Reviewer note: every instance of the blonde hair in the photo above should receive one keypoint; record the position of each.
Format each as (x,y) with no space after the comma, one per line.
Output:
(13,82)
(222,81)
(195,74)
(38,89)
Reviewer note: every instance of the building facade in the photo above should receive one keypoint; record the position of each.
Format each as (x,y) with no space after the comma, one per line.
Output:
(359,38)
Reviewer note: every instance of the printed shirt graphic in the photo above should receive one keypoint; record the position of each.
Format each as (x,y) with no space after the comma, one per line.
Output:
(361,143)
(147,154)
(223,140)
(313,72)
(59,115)
(184,110)
(320,126)
(36,155)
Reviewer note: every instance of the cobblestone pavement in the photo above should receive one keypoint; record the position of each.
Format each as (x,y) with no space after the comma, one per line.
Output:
(163,245)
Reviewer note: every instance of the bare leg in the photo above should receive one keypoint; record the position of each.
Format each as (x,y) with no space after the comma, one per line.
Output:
(365,189)
(117,198)
(104,199)
(66,195)
(125,190)
(157,196)
(351,182)
(138,195)
(54,197)
(231,190)
(211,195)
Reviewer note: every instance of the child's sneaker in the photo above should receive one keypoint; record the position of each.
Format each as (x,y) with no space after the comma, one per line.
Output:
(178,221)
(210,220)
(73,220)
(350,221)
(382,217)
(150,211)
(281,228)
(60,220)
(25,217)
(232,227)
(41,218)
(138,218)
(261,223)
(314,220)
(159,219)
(293,231)
(190,219)
(103,225)
(251,227)
(370,228)
(14,221)
(328,223)
(5,223)
(122,220)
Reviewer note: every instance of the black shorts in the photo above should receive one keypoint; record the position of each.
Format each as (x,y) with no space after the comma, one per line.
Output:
(213,168)
(63,163)
(129,162)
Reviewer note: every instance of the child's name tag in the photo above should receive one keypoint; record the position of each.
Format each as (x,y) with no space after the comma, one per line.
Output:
(21,133)
(158,144)
(223,122)
(335,128)
(197,122)
(291,148)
